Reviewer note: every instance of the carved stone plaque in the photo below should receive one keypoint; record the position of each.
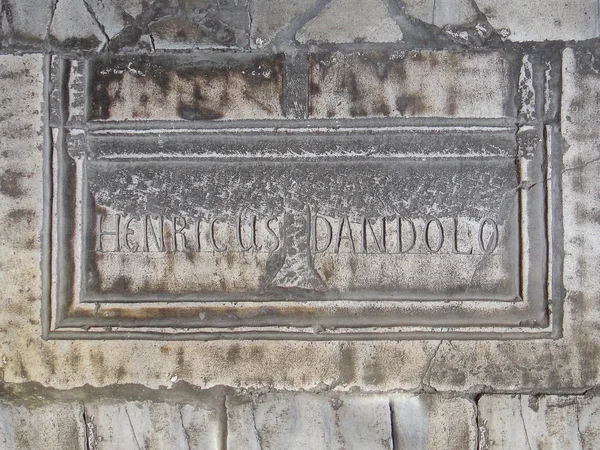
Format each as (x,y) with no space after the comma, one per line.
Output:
(256,197)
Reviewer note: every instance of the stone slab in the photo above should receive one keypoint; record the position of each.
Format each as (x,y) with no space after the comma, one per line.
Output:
(410,84)
(454,364)
(185,88)
(569,422)
(309,421)
(259,225)
(541,20)
(433,422)
(152,425)
(55,426)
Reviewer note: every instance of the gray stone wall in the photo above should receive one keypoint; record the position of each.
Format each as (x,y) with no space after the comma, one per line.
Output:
(508,88)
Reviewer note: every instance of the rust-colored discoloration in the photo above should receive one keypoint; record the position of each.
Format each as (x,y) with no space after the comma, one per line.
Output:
(162,88)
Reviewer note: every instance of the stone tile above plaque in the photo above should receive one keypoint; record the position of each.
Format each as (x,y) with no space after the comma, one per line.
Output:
(185,87)
(411,84)
(179,226)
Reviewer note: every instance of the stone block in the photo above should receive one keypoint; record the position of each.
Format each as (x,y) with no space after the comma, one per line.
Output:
(180,88)
(344,21)
(203,24)
(74,27)
(543,20)
(309,421)
(410,84)
(28,20)
(432,422)
(272,17)
(55,426)
(113,426)
(442,12)
(521,421)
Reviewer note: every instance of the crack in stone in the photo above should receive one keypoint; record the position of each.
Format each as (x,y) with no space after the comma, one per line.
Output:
(132,429)
(288,34)
(258,438)
(52,13)
(5,10)
(428,367)
(579,435)
(529,185)
(523,420)
(185,433)
(98,23)
(89,430)
(225,425)
(392,426)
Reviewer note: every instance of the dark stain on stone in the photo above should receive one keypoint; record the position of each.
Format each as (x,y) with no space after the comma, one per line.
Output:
(452,102)
(197,112)
(21,215)
(347,367)
(10,183)
(358,111)
(121,372)
(180,357)
(122,285)
(233,353)
(326,270)
(50,361)
(315,89)
(410,105)
(23,370)
(74,358)
(143,99)
(382,109)
(372,374)
(76,43)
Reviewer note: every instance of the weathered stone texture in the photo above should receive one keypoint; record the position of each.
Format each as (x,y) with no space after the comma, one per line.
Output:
(433,422)
(186,89)
(442,12)
(541,20)
(57,426)
(152,425)
(552,422)
(343,21)
(312,421)
(421,84)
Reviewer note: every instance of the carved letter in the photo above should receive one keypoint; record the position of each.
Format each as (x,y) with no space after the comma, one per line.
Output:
(177,231)
(493,241)
(211,237)
(159,239)
(197,236)
(100,233)
(381,244)
(252,235)
(413,233)
(329,235)
(438,224)
(340,235)
(129,232)
(272,233)
(455,242)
